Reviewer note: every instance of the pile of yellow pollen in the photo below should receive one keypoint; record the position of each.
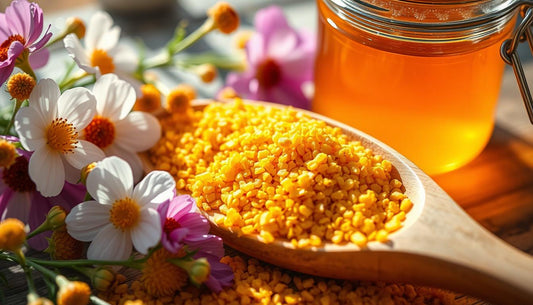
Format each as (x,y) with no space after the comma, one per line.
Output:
(281,174)
(260,283)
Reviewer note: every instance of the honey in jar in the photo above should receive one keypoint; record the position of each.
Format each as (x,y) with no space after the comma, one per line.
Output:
(421,76)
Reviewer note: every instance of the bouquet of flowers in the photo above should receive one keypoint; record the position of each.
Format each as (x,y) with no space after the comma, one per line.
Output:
(72,182)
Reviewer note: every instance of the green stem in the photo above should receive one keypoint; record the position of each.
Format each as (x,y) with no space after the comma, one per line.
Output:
(24,264)
(132,263)
(23,63)
(16,108)
(69,82)
(49,273)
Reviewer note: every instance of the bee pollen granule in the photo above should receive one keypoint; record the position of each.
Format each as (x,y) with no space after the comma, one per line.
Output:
(279,173)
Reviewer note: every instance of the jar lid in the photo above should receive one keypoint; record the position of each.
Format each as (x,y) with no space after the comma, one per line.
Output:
(430,13)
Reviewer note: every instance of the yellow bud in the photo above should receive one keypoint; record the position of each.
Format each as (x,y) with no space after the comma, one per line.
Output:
(207,72)
(227,93)
(225,18)
(72,292)
(8,153)
(75,25)
(86,170)
(20,86)
(12,234)
(102,279)
(56,217)
(179,99)
(149,101)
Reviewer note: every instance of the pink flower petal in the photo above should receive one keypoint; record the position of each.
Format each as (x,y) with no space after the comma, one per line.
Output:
(39,58)
(269,20)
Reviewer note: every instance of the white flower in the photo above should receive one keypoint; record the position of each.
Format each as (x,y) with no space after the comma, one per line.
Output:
(102,53)
(120,215)
(50,127)
(116,130)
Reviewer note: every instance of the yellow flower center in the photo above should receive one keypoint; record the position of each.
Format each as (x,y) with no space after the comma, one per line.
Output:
(61,136)
(8,153)
(100,132)
(162,278)
(179,99)
(74,293)
(12,234)
(124,214)
(4,47)
(100,59)
(20,86)
(268,73)
(225,18)
(17,178)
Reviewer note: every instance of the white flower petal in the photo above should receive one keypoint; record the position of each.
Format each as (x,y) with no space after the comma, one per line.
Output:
(147,232)
(43,98)
(86,219)
(77,106)
(84,153)
(155,188)
(47,171)
(115,97)
(72,174)
(100,32)
(124,58)
(110,244)
(110,180)
(139,131)
(30,128)
(78,53)
(131,157)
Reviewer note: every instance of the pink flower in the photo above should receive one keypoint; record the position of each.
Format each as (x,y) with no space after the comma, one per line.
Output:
(20,29)
(280,61)
(20,199)
(183,225)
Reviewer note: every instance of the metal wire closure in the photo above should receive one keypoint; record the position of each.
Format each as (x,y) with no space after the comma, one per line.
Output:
(509,54)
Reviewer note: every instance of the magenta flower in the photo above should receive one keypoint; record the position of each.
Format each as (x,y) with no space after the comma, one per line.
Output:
(20,30)
(20,199)
(280,61)
(183,225)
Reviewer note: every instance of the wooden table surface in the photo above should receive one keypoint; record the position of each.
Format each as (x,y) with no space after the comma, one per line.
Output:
(496,188)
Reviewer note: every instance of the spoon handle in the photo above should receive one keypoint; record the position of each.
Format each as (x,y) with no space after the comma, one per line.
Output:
(457,253)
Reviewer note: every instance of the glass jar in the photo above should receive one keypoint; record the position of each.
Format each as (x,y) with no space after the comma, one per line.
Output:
(421,76)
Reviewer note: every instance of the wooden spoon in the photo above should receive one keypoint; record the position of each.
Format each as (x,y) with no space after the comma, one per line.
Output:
(440,245)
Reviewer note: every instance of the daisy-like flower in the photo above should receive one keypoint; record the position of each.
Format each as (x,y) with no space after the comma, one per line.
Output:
(183,225)
(280,61)
(102,53)
(115,129)
(121,215)
(21,27)
(50,127)
(20,199)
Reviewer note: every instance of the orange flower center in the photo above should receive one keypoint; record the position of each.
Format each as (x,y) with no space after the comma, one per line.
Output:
(162,278)
(61,136)
(268,73)
(8,153)
(100,59)
(100,132)
(20,86)
(4,47)
(17,178)
(124,214)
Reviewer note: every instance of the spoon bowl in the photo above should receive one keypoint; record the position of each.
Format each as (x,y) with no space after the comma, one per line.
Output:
(439,244)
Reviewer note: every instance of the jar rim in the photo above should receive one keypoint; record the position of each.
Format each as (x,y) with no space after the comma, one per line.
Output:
(428,14)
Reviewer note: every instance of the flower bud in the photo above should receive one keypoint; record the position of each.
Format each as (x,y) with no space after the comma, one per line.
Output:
(199,271)
(72,292)
(75,25)
(12,234)
(179,99)
(34,299)
(207,72)
(56,217)
(227,93)
(20,86)
(85,172)
(150,100)
(8,153)
(102,279)
(225,18)
(242,38)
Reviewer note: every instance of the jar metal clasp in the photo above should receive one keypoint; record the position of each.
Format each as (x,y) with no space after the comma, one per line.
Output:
(509,54)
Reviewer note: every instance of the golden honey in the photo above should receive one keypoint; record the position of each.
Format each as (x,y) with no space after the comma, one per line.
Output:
(428,93)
